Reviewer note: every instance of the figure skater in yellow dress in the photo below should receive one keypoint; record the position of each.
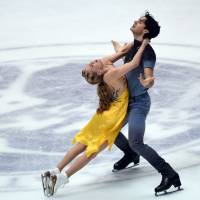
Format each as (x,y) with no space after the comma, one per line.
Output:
(101,131)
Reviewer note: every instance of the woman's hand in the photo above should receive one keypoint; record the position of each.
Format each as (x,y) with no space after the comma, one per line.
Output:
(116,45)
(121,48)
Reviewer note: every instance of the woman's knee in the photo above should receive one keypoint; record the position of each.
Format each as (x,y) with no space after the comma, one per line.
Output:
(102,147)
(92,156)
(77,149)
(80,146)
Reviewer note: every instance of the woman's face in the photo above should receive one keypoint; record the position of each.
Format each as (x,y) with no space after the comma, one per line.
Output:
(94,66)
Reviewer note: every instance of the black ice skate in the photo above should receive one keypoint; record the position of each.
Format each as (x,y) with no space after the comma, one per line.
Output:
(126,162)
(45,182)
(166,184)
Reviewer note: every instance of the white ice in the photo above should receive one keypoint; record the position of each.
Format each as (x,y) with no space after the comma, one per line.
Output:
(44,101)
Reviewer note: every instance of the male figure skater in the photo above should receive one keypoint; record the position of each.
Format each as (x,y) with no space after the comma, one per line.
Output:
(139,106)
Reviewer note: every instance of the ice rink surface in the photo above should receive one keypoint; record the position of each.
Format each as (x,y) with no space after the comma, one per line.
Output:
(44,101)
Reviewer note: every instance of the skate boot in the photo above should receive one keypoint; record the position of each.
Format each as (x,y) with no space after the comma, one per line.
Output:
(46,178)
(57,181)
(125,161)
(166,183)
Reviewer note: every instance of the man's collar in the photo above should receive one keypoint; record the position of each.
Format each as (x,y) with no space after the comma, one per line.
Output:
(137,42)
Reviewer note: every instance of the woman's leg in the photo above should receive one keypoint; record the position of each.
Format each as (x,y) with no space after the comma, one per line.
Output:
(83,160)
(70,155)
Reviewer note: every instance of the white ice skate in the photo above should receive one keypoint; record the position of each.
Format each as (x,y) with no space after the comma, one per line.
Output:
(46,179)
(57,181)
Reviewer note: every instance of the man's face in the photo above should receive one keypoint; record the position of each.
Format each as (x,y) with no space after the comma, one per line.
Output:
(138,26)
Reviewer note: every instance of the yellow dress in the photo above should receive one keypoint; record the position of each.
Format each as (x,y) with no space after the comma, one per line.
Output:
(104,127)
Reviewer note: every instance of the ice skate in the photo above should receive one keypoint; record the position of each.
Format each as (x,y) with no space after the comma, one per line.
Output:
(46,179)
(57,181)
(45,182)
(166,184)
(126,162)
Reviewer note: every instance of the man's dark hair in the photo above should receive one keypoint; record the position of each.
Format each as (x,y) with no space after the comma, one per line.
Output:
(152,26)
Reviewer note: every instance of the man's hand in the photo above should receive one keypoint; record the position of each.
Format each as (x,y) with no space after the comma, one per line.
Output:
(146,41)
(146,82)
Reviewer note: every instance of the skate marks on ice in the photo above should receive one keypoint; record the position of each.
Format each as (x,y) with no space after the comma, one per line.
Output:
(45,102)
(45,109)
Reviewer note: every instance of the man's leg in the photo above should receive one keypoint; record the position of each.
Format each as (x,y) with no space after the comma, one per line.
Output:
(136,134)
(122,143)
(130,156)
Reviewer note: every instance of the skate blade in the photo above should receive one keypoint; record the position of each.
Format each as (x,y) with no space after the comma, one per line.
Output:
(167,192)
(125,169)
(51,185)
(43,178)
(45,181)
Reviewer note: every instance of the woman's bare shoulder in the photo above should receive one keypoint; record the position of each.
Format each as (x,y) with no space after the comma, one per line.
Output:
(111,80)
(109,76)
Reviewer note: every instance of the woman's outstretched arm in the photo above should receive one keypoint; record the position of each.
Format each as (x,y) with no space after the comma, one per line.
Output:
(123,69)
(119,54)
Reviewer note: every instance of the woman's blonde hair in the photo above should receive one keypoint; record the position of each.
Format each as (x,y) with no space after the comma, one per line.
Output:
(103,90)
